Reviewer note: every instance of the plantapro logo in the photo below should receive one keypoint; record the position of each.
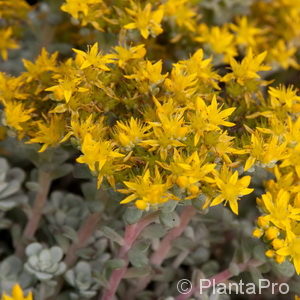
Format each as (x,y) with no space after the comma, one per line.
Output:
(242,288)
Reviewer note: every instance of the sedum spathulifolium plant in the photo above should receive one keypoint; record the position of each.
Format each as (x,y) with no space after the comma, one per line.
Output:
(141,125)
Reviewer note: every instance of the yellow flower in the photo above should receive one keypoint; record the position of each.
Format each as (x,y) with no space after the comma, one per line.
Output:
(11,88)
(293,159)
(146,20)
(263,222)
(66,88)
(247,69)
(169,131)
(94,58)
(17,294)
(148,71)
(95,154)
(147,191)
(75,7)
(130,133)
(101,157)
(220,40)
(257,233)
(208,117)
(231,188)
(271,233)
(282,181)
(266,153)
(278,243)
(200,66)
(181,13)
(270,253)
(279,210)
(124,55)
(181,84)
(49,134)
(221,144)
(44,63)
(7,42)
(284,55)
(246,33)
(189,172)
(292,250)
(284,96)
(80,127)
(16,114)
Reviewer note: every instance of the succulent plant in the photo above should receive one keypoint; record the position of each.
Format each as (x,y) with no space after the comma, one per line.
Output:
(12,271)
(65,210)
(83,280)
(11,180)
(64,214)
(44,263)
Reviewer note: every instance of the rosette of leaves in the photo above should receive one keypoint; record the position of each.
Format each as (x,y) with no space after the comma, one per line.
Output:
(12,271)
(64,214)
(11,180)
(83,280)
(45,264)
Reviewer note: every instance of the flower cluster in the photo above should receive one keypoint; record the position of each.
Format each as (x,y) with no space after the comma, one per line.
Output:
(271,26)
(169,133)
(159,128)
(12,14)
(276,144)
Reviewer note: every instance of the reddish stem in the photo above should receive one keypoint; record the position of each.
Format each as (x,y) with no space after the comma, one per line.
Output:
(132,232)
(44,181)
(165,245)
(38,206)
(84,233)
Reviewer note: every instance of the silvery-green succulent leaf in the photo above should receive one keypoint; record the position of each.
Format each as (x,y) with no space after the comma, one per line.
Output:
(65,209)
(3,186)
(112,235)
(138,272)
(10,186)
(12,271)
(43,262)
(169,219)
(33,249)
(32,186)
(16,174)
(154,231)
(62,171)
(13,201)
(70,233)
(285,269)
(3,167)
(83,280)
(5,222)
(56,254)
(132,215)
(10,189)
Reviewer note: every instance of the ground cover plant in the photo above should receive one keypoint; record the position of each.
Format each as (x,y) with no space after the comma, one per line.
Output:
(143,143)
